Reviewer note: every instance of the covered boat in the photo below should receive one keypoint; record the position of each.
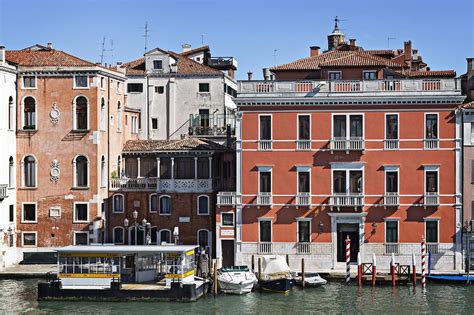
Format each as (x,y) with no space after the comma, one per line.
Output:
(311,279)
(276,275)
(236,279)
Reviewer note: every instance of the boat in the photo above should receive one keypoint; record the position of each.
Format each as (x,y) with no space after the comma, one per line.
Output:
(276,275)
(311,279)
(455,279)
(236,279)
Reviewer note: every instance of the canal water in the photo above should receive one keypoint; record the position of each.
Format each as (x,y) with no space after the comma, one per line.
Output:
(19,296)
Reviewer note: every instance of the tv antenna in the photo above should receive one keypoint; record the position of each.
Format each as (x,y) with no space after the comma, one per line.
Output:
(102,52)
(111,51)
(275,55)
(388,41)
(202,38)
(146,35)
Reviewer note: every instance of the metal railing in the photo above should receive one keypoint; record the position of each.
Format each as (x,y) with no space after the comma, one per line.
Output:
(344,144)
(145,183)
(392,248)
(226,198)
(265,248)
(431,199)
(431,144)
(391,199)
(303,248)
(264,198)
(303,199)
(432,248)
(161,185)
(303,145)
(211,125)
(264,145)
(3,191)
(222,62)
(391,144)
(346,200)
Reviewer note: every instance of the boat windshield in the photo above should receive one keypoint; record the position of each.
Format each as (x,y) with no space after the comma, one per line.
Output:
(89,265)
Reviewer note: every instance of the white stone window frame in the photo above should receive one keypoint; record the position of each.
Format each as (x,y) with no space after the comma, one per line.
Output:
(11,172)
(75,87)
(74,114)
(119,87)
(302,169)
(369,71)
(81,232)
(102,115)
(222,218)
(23,112)
(103,172)
(150,203)
(431,168)
(265,169)
(331,72)
(385,229)
(347,167)
(23,238)
(119,116)
(74,174)
(55,208)
(437,225)
(271,127)
(102,83)
(11,114)
(159,205)
(22,169)
(271,228)
(437,126)
(29,88)
(298,127)
(386,125)
(348,124)
(158,236)
(208,205)
(391,168)
(123,235)
(75,219)
(153,64)
(298,220)
(208,86)
(113,203)
(23,212)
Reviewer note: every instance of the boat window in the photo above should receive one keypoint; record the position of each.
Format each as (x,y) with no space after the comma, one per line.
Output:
(86,265)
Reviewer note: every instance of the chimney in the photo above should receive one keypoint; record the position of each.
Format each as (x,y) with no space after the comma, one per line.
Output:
(407,51)
(49,46)
(249,75)
(314,51)
(186,47)
(267,75)
(470,68)
(352,42)
(2,54)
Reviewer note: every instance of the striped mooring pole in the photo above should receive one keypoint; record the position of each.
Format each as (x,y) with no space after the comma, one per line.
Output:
(359,269)
(413,262)
(392,270)
(348,260)
(423,263)
(374,269)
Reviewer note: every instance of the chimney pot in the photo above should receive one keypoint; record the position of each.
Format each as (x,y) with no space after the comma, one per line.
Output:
(50,45)
(470,67)
(186,47)
(407,51)
(249,76)
(314,51)
(352,42)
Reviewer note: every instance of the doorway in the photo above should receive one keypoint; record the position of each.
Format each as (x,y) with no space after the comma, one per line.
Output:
(343,231)
(227,253)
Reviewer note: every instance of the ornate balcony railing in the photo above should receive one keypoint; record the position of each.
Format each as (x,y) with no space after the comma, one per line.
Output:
(391,144)
(226,198)
(211,125)
(264,145)
(344,144)
(303,145)
(161,185)
(303,248)
(303,199)
(431,199)
(265,248)
(264,199)
(346,200)
(431,144)
(391,199)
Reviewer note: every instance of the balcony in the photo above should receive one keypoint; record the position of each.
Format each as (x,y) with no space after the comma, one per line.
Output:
(391,144)
(264,145)
(226,198)
(264,199)
(222,63)
(3,192)
(344,144)
(161,185)
(303,145)
(133,184)
(431,144)
(391,199)
(303,199)
(346,200)
(303,248)
(392,248)
(265,248)
(211,125)
(432,248)
(431,199)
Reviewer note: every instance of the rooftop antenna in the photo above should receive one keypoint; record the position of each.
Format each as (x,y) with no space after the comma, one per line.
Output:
(202,38)
(111,51)
(388,41)
(146,35)
(275,55)
(102,52)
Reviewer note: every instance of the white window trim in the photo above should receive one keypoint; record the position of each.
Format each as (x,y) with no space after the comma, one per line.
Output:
(329,75)
(55,208)
(103,172)
(123,234)
(113,203)
(102,115)
(347,167)
(29,88)
(208,83)
(271,228)
(80,87)
(369,71)
(385,125)
(119,116)
(298,127)
(348,124)
(102,80)
(22,127)
(11,173)
(75,220)
(81,232)
(119,85)
(233,218)
(209,239)
(265,169)
(208,205)
(431,168)
(74,165)
(298,220)
(74,115)
(437,126)
(158,236)
(385,229)
(431,220)
(302,169)
(11,114)
(153,64)
(159,205)
(271,127)
(23,238)
(22,169)
(22,212)
(392,168)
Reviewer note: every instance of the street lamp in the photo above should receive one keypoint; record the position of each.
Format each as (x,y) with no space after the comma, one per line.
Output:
(145,226)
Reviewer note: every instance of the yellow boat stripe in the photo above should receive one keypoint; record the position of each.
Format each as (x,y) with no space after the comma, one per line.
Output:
(178,275)
(89,275)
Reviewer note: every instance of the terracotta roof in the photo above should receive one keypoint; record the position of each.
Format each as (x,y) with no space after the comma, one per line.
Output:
(466,105)
(400,59)
(195,50)
(188,144)
(380,51)
(189,66)
(45,57)
(135,67)
(429,73)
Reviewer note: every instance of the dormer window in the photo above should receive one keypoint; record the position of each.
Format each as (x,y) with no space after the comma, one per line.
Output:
(370,75)
(158,64)
(81,81)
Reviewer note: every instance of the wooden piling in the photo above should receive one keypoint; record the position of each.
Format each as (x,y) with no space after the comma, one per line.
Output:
(253,263)
(288,260)
(210,267)
(302,273)
(374,269)
(259,268)
(215,277)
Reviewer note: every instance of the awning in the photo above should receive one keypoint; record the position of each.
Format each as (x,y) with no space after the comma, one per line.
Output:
(229,103)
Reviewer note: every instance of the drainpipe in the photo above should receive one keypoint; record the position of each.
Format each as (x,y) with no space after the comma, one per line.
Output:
(107,122)
(147,108)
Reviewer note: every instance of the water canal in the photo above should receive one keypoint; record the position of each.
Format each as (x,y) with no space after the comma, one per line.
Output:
(19,296)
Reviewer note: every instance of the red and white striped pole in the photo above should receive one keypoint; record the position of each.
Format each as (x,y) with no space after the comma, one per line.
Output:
(359,269)
(392,269)
(413,262)
(423,262)
(348,260)
(374,269)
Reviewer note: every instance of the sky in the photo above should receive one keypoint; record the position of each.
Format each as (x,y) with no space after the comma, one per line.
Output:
(258,33)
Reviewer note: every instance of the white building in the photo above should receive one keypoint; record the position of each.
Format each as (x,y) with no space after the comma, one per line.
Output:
(8,250)
(188,94)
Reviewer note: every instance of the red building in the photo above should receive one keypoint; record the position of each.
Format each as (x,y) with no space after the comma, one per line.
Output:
(344,143)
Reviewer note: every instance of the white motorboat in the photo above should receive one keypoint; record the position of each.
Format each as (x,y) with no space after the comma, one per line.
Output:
(311,279)
(236,279)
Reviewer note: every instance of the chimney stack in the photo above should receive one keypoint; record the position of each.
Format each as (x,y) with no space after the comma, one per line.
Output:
(249,75)
(352,42)
(186,47)
(314,51)
(266,74)
(407,51)
(49,45)
(470,68)
(2,54)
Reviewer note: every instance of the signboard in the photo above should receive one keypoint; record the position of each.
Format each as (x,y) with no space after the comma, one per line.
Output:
(184,219)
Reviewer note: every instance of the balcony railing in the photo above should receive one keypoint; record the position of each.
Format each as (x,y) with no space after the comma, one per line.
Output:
(432,248)
(431,144)
(303,248)
(264,199)
(431,199)
(346,86)
(344,144)
(226,198)
(211,125)
(161,185)
(303,145)
(391,199)
(391,85)
(222,63)
(145,183)
(265,248)
(3,191)
(392,248)
(303,199)
(264,145)
(346,200)
(391,144)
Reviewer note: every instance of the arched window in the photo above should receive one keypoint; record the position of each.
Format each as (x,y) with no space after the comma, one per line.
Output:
(118,235)
(165,205)
(11,172)
(80,113)
(164,236)
(81,171)
(153,203)
(119,116)
(29,113)
(102,114)
(204,239)
(11,114)
(29,171)
(103,175)
(203,205)
(117,203)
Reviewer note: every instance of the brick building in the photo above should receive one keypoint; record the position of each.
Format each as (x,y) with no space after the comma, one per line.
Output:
(369,149)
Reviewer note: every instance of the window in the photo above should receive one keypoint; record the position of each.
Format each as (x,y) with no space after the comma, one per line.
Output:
(117,203)
(265,230)
(119,116)
(81,81)
(265,182)
(102,82)
(11,172)
(184,168)
(29,82)
(81,212)
(204,120)
(431,181)
(154,123)
(265,127)
(370,75)
(80,113)
(391,181)
(81,238)
(203,87)
(153,203)
(203,168)
(347,182)
(165,236)
(391,127)
(131,167)
(158,64)
(103,173)
(391,231)
(119,166)
(165,205)
(28,213)
(28,239)
(335,75)
(29,113)
(431,232)
(102,114)
(303,181)
(134,125)
(11,114)
(304,127)
(227,218)
(118,235)
(81,171)
(118,87)
(159,89)
(340,123)
(11,213)
(29,171)
(204,239)
(135,87)
(203,205)
(304,231)
(165,168)
(431,125)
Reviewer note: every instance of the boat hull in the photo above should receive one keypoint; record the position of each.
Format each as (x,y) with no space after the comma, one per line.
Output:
(281,285)
(236,288)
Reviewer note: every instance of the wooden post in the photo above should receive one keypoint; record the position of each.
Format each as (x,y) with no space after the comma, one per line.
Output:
(288,260)
(413,262)
(210,267)
(215,277)
(259,268)
(302,272)
(392,269)
(253,263)
(359,270)
(374,269)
